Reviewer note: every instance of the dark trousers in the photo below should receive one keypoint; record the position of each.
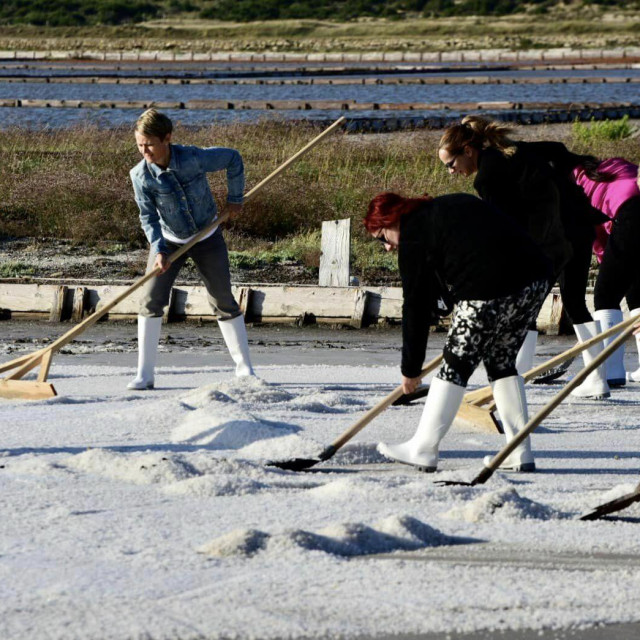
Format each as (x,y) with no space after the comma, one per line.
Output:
(212,261)
(619,274)
(574,278)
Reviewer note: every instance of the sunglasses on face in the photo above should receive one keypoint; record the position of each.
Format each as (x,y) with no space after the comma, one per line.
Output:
(381,238)
(451,164)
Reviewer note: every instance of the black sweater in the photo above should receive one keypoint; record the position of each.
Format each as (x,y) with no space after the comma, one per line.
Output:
(521,186)
(479,253)
(579,217)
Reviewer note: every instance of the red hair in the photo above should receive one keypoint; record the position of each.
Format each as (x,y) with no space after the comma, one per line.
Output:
(386,209)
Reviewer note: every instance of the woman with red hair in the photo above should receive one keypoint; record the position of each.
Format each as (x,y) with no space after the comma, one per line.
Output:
(498,279)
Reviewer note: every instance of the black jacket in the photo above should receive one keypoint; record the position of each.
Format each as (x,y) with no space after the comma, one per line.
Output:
(579,218)
(521,186)
(479,253)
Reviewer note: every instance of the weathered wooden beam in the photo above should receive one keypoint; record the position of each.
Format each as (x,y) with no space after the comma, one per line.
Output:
(57,304)
(359,308)
(335,253)
(244,301)
(78,306)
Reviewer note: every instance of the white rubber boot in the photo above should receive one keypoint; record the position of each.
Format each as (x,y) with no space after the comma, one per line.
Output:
(234,333)
(148,338)
(524,361)
(595,385)
(634,376)
(511,403)
(616,374)
(440,409)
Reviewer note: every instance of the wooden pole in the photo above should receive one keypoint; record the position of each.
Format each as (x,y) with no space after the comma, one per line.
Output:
(35,359)
(483,395)
(502,455)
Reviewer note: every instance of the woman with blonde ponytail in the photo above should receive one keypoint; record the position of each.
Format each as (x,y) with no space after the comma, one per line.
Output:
(517,183)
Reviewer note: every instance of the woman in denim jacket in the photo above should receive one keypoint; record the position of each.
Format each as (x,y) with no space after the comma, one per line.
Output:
(175,202)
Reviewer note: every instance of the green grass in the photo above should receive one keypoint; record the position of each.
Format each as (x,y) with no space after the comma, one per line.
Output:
(602,131)
(566,25)
(73,184)
(16,270)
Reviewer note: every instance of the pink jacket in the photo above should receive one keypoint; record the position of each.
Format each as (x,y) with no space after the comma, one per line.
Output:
(608,197)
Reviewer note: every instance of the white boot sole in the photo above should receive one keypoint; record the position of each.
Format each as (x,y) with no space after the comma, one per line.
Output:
(382,448)
(595,396)
(522,467)
(140,386)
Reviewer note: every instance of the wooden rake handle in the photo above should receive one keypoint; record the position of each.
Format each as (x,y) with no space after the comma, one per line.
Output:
(376,411)
(500,457)
(36,358)
(483,395)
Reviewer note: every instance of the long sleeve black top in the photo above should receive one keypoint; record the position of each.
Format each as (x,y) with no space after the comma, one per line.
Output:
(520,185)
(478,252)
(579,217)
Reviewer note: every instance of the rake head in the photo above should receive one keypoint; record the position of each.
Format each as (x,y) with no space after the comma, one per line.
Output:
(295,464)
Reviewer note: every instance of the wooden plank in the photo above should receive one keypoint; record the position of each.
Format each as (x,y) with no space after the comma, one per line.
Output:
(472,418)
(57,304)
(335,253)
(79,297)
(359,308)
(26,390)
(45,365)
(100,296)
(27,297)
(266,300)
(244,300)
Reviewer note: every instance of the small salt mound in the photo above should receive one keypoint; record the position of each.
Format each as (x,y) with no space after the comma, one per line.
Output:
(226,426)
(396,533)
(359,453)
(216,485)
(315,402)
(505,504)
(348,488)
(31,464)
(248,389)
(138,468)
(283,448)
(333,399)
(241,542)
(202,397)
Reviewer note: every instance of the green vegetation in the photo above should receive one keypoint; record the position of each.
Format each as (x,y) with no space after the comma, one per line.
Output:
(602,130)
(117,12)
(573,24)
(15,270)
(73,184)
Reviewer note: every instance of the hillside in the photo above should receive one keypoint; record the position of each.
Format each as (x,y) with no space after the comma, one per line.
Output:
(57,13)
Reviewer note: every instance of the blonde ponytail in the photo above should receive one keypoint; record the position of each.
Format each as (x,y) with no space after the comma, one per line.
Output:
(480,133)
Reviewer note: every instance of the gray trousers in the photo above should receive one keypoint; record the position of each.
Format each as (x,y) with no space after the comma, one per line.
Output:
(212,261)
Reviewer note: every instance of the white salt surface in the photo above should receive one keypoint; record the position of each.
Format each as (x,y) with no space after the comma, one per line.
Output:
(152,514)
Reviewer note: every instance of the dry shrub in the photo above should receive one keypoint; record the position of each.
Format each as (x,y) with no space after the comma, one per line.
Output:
(74,183)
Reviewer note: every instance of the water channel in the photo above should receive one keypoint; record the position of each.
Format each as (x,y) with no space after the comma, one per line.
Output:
(189,81)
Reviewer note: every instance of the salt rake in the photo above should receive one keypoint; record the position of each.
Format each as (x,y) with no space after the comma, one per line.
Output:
(13,387)
(484,475)
(472,410)
(300,464)
(615,505)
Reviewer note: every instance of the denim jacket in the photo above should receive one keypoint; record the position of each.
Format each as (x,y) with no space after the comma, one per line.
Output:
(178,198)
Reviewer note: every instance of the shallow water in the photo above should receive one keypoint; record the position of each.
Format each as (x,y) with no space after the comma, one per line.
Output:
(379,93)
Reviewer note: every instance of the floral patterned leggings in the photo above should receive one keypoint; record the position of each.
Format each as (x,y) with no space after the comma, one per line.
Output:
(490,331)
